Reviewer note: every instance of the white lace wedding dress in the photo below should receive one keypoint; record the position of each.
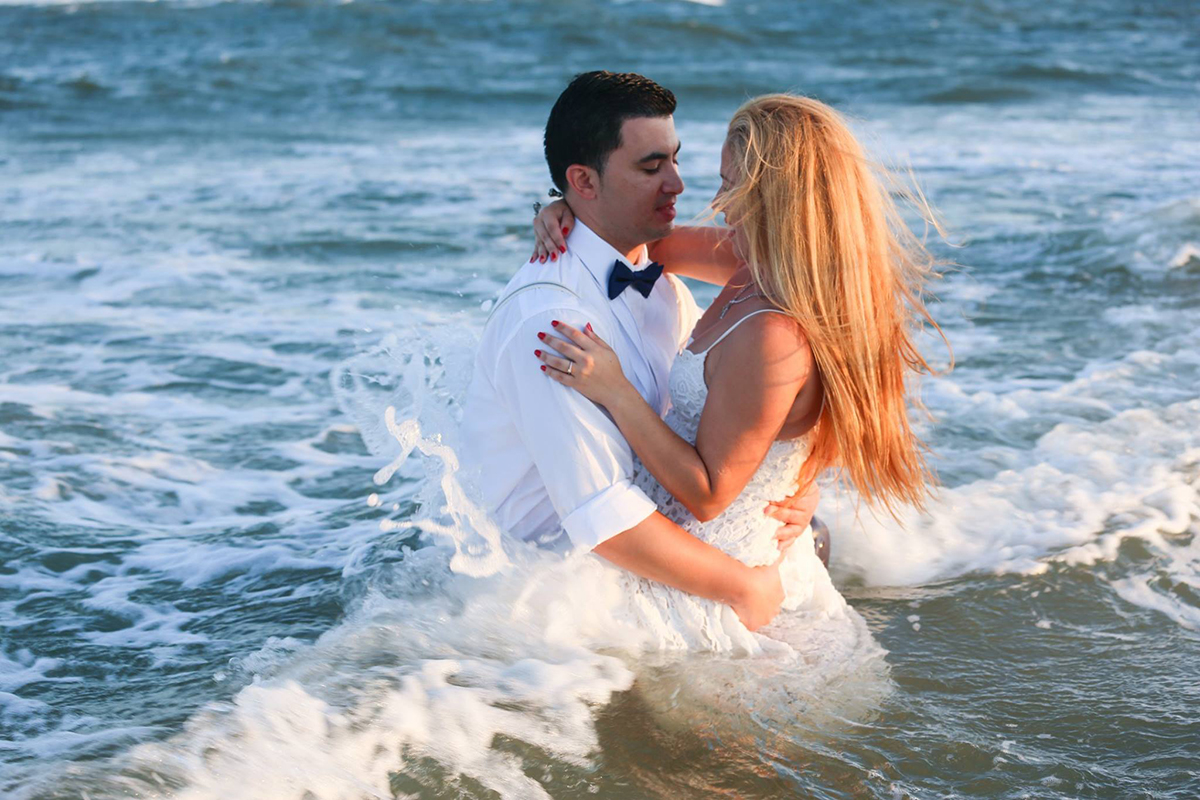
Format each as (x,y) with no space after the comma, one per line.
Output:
(812,606)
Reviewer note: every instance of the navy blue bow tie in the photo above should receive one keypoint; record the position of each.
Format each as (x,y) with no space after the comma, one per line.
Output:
(641,280)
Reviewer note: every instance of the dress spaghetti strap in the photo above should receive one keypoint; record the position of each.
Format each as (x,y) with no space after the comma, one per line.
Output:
(733,327)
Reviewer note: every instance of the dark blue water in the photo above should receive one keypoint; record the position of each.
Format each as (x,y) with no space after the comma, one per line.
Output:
(206,210)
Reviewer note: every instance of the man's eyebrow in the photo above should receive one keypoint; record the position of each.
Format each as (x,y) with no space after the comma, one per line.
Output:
(657,156)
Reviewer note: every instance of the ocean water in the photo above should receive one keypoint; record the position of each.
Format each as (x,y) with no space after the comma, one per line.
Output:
(232,234)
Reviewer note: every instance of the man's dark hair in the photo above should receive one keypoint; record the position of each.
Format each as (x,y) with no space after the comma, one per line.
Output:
(585,124)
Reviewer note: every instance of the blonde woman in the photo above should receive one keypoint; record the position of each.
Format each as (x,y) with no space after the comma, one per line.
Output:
(801,363)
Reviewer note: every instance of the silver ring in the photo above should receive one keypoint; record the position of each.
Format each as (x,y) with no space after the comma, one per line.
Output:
(570,366)
(537,208)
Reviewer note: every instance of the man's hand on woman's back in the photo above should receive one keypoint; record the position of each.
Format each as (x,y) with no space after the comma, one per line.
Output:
(796,512)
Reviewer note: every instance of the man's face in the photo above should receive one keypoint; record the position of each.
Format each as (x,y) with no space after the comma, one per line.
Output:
(641,181)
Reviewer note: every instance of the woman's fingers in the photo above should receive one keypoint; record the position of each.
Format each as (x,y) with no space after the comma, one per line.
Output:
(574,352)
(578,337)
(537,242)
(560,377)
(559,221)
(549,230)
(595,337)
(539,237)
(557,238)
(562,347)
(548,359)
(547,234)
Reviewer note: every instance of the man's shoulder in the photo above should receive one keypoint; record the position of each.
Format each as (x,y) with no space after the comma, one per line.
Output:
(566,271)
(537,287)
(535,294)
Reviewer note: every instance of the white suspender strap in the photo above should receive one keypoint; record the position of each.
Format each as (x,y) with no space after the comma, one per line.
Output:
(526,287)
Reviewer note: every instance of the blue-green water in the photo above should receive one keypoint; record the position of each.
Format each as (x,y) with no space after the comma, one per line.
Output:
(208,209)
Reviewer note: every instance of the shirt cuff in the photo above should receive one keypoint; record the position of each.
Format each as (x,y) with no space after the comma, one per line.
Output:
(614,509)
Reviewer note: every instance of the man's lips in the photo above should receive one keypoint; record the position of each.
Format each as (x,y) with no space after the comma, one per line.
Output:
(666,213)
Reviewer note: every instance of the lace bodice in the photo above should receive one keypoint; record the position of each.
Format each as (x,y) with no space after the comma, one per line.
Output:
(816,628)
(742,530)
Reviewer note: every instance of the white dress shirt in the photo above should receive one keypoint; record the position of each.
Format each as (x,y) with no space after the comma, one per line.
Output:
(547,460)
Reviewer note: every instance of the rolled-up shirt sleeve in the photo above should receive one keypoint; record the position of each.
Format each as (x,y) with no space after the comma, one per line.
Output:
(583,459)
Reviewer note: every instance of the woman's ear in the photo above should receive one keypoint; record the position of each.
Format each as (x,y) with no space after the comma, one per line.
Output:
(585,181)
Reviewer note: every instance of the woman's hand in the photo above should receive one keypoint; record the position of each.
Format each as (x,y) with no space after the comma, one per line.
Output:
(584,362)
(550,229)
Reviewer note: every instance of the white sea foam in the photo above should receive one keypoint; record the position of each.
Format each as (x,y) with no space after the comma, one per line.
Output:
(445,663)
(20,671)
(1187,254)
(1120,458)
(23,668)
(1136,474)
(442,689)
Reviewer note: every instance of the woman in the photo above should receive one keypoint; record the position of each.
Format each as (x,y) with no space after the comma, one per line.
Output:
(800,364)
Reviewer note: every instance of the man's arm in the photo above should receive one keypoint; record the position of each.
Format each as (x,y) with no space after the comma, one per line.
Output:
(661,551)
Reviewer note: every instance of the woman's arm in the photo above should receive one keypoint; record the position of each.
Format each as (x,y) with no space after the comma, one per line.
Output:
(756,382)
(705,254)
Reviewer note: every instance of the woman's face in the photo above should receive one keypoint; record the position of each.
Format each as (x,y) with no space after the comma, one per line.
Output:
(730,177)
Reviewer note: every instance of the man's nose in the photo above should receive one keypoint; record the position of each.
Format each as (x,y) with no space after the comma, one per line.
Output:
(674,181)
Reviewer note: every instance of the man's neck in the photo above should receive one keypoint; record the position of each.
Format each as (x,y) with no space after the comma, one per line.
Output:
(631,251)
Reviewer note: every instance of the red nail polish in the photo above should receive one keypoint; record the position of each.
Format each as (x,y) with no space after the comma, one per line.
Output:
(589,326)
(543,367)
(542,260)
(541,335)
(533,258)
(566,231)
(562,249)
(537,353)
(554,256)
(554,322)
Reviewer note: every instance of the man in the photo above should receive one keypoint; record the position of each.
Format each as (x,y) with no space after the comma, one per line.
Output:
(552,466)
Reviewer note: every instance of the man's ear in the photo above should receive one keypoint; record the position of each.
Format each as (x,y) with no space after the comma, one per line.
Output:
(585,181)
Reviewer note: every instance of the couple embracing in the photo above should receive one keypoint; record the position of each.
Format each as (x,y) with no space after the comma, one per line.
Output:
(608,413)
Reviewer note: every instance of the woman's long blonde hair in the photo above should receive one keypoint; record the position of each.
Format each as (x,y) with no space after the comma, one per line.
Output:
(825,243)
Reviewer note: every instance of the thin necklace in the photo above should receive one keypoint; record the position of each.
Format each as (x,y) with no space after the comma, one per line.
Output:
(737,298)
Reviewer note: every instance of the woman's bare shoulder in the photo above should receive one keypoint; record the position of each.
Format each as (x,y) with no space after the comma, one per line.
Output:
(769,344)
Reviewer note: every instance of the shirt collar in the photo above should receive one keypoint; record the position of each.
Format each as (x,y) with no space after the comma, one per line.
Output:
(598,255)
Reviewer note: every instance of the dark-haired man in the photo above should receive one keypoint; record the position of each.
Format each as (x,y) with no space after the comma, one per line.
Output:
(552,466)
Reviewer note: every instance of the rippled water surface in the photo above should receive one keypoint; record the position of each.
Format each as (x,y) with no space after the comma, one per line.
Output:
(212,214)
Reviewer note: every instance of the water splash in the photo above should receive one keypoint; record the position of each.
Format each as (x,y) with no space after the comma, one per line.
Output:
(420,376)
